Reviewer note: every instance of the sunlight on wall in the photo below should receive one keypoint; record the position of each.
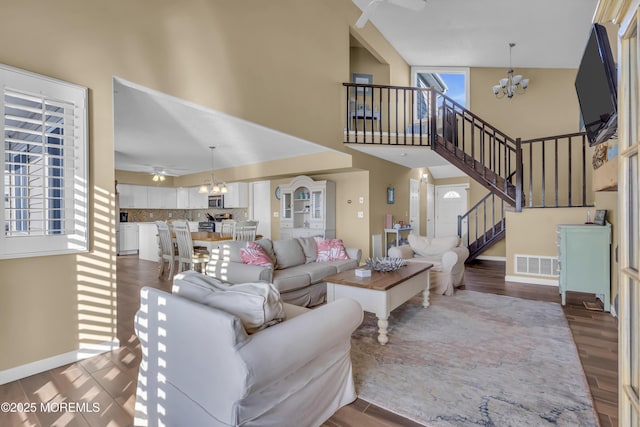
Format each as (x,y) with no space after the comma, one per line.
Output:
(96,282)
(151,393)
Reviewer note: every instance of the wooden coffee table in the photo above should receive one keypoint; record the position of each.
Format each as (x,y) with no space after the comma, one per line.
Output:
(382,292)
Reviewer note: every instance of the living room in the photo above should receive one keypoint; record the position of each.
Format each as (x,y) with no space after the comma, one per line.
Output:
(208,54)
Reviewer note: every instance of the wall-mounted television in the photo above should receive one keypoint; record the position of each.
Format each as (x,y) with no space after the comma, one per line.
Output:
(596,88)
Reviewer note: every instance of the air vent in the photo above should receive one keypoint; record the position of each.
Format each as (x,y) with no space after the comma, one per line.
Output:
(536,265)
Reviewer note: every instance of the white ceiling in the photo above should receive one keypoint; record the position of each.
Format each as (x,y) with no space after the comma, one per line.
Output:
(476,33)
(154,131)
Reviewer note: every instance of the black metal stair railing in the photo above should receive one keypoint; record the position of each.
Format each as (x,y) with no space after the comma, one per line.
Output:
(394,115)
(480,150)
(552,182)
(408,116)
(483,225)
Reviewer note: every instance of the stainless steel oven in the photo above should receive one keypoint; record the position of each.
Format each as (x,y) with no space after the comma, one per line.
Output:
(216,201)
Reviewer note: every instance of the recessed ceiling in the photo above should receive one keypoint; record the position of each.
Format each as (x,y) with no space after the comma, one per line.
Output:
(473,33)
(155,131)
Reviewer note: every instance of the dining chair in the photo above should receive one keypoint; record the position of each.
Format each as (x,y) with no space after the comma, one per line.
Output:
(226,228)
(245,230)
(187,256)
(167,249)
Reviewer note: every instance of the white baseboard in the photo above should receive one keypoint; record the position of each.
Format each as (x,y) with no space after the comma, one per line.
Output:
(532,280)
(23,371)
(491,258)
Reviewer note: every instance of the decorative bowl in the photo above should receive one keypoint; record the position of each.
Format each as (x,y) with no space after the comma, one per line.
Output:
(386,264)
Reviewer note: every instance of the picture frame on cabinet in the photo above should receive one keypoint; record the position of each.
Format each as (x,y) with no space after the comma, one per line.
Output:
(600,216)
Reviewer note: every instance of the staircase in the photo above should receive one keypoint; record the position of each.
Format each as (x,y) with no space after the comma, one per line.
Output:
(407,116)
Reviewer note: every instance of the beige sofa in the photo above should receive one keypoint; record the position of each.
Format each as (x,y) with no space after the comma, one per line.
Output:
(200,367)
(446,255)
(295,273)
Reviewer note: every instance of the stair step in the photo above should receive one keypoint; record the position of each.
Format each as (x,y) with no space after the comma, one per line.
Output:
(476,170)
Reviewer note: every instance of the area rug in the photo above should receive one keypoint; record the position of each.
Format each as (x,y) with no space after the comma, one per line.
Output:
(474,359)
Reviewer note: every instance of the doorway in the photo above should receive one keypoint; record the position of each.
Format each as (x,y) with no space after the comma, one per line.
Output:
(451,201)
(260,206)
(414,206)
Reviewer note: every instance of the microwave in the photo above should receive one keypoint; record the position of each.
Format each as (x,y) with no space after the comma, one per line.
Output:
(216,201)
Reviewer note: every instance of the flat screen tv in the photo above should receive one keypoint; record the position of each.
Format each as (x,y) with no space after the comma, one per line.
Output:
(596,88)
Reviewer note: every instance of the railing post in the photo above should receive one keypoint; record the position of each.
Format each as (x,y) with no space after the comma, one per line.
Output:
(519,171)
(433,117)
(460,226)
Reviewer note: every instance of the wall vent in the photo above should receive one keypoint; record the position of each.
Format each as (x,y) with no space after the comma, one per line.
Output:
(536,265)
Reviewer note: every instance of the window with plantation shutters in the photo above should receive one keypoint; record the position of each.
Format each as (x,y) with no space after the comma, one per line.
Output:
(44,147)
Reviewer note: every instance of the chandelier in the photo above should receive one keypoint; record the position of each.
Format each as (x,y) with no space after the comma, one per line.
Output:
(512,84)
(213,187)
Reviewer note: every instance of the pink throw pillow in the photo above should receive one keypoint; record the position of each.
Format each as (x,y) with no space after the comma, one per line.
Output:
(330,250)
(254,254)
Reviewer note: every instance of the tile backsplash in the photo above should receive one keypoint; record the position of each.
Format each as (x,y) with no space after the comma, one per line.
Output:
(150,215)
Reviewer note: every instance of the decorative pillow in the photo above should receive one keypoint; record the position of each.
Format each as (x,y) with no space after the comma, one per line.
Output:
(309,248)
(289,253)
(257,305)
(254,254)
(267,245)
(330,250)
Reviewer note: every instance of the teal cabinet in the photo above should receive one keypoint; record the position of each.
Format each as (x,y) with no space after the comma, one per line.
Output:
(584,260)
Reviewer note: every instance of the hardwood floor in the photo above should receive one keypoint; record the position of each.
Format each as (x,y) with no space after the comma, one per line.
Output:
(109,380)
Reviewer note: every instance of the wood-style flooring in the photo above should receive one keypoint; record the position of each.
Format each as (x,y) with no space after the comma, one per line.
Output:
(110,379)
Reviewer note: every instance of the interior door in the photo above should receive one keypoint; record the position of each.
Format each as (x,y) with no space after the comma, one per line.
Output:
(451,201)
(431,210)
(414,206)
(628,189)
(260,206)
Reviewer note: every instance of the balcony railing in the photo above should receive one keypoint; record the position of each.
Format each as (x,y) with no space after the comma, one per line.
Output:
(542,172)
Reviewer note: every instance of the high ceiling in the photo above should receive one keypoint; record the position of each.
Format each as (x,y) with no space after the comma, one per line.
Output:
(476,33)
(158,132)
(154,131)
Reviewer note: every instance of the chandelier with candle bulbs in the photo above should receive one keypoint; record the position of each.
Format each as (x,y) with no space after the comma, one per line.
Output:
(510,85)
(213,187)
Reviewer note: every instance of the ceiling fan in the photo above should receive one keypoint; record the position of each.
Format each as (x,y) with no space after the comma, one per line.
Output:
(414,5)
(160,174)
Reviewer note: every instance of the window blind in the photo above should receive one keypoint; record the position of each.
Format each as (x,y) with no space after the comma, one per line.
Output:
(44,163)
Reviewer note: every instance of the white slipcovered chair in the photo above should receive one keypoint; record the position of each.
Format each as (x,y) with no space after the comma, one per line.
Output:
(201,368)
(188,257)
(245,230)
(446,255)
(167,249)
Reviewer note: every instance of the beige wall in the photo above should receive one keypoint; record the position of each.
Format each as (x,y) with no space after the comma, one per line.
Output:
(278,63)
(533,232)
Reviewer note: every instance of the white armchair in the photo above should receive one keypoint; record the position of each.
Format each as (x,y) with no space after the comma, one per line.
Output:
(446,255)
(200,367)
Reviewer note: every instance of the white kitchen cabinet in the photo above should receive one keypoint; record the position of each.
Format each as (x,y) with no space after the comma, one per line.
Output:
(308,208)
(148,246)
(237,195)
(182,198)
(198,200)
(161,198)
(128,241)
(133,196)
(190,198)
